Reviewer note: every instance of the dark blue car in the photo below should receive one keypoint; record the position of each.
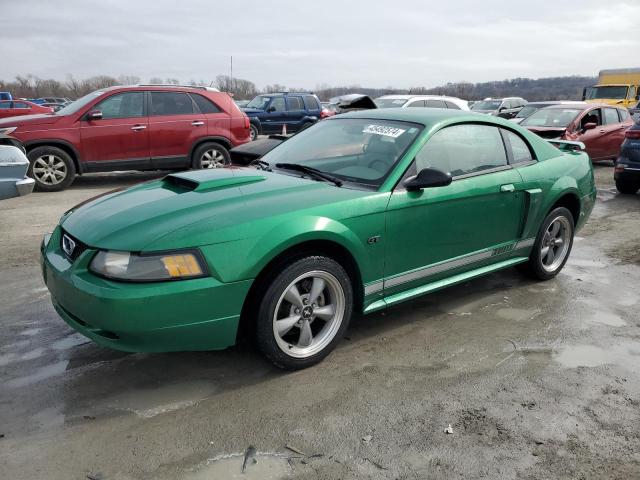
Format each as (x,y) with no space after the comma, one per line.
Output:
(269,112)
(627,169)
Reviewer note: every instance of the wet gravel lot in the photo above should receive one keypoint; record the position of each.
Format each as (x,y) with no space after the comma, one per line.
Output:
(537,380)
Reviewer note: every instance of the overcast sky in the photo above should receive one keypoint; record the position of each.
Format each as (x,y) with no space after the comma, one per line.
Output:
(307,43)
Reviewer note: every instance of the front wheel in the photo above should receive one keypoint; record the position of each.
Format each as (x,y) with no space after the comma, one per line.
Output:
(627,188)
(304,312)
(552,246)
(52,168)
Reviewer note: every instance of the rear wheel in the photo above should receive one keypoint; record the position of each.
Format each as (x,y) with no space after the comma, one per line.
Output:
(552,246)
(211,155)
(253,132)
(304,312)
(628,188)
(52,168)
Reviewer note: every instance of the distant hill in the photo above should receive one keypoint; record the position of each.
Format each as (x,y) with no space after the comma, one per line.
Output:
(551,88)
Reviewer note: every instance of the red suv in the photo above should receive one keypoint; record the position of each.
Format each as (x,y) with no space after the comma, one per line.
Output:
(145,127)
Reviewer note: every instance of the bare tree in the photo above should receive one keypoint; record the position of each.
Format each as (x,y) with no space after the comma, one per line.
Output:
(128,80)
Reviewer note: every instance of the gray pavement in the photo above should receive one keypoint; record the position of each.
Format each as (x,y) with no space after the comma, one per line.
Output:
(537,380)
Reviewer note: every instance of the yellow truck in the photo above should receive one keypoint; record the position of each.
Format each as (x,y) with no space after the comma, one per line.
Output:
(618,86)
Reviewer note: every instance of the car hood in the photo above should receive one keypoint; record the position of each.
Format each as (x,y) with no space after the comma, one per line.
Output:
(28,120)
(486,112)
(196,208)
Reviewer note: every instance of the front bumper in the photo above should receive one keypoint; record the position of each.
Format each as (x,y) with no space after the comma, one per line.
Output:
(198,314)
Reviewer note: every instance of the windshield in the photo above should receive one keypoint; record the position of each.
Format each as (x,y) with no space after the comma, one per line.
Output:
(487,105)
(551,117)
(607,92)
(355,150)
(389,102)
(528,110)
(73,107)
(259,102)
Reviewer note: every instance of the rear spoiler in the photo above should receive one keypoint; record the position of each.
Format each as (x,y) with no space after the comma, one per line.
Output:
(567,146)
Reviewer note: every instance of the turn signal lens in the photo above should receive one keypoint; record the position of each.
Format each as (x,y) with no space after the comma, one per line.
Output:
(182,265)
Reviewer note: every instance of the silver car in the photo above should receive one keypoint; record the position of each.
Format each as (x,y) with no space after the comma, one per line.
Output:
(13,173)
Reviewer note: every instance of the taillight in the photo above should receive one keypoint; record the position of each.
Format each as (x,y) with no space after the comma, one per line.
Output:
(324,113)
(246,122)
(632,134)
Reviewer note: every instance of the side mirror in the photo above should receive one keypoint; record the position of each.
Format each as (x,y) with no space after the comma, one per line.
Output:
(94,115)
(428,178)
(502,109)
(589,126)
(271,109)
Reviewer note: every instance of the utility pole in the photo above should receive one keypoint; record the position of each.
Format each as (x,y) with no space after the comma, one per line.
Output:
(231,86)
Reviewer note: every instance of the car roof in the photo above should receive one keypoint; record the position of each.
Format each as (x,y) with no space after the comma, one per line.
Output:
(409,97)
(581,105)
(424,116)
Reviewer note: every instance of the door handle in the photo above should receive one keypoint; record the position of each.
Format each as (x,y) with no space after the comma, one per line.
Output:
(602,131)
(197,123)
(507,188)
(138,127)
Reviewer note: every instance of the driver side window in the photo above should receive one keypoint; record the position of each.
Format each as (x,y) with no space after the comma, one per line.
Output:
(463,149)
(123,105)
(594,116)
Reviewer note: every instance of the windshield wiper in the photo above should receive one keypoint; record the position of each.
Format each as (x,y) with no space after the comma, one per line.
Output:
(312,172)
(260,164)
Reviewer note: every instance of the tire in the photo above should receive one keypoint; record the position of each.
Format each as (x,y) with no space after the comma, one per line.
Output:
(253,132)
(289,329)
(211,155)
(546,261)
(52,168)
(627,188)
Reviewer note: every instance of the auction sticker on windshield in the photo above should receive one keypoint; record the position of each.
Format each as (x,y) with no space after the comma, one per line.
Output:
(393,132)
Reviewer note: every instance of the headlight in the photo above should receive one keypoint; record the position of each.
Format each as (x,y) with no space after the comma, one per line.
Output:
(156,267)
(7,130)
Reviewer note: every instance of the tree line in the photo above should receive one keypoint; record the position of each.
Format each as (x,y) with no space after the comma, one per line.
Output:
(552,88)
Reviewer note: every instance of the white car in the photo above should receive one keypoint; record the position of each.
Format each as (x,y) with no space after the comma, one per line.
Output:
(421,101)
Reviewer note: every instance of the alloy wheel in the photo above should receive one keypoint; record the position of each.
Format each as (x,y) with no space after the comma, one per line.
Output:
(49,169)
(308,314)
(212,158)
(555,243)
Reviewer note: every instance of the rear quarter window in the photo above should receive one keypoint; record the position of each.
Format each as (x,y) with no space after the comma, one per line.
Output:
(312,103)
(520,151)
(204,104)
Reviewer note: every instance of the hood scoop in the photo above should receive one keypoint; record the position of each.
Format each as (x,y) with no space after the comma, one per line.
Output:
(204,181)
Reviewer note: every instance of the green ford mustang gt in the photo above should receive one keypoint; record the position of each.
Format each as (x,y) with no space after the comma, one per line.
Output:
(358,212)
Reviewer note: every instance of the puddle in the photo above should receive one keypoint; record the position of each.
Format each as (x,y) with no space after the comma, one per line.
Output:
(577,262)
(39,375)
(626,355)
(71,341)
(517,314)
(31,332)
(31,354)
(148,403)
(7,358)
(608,318)
(268,466)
